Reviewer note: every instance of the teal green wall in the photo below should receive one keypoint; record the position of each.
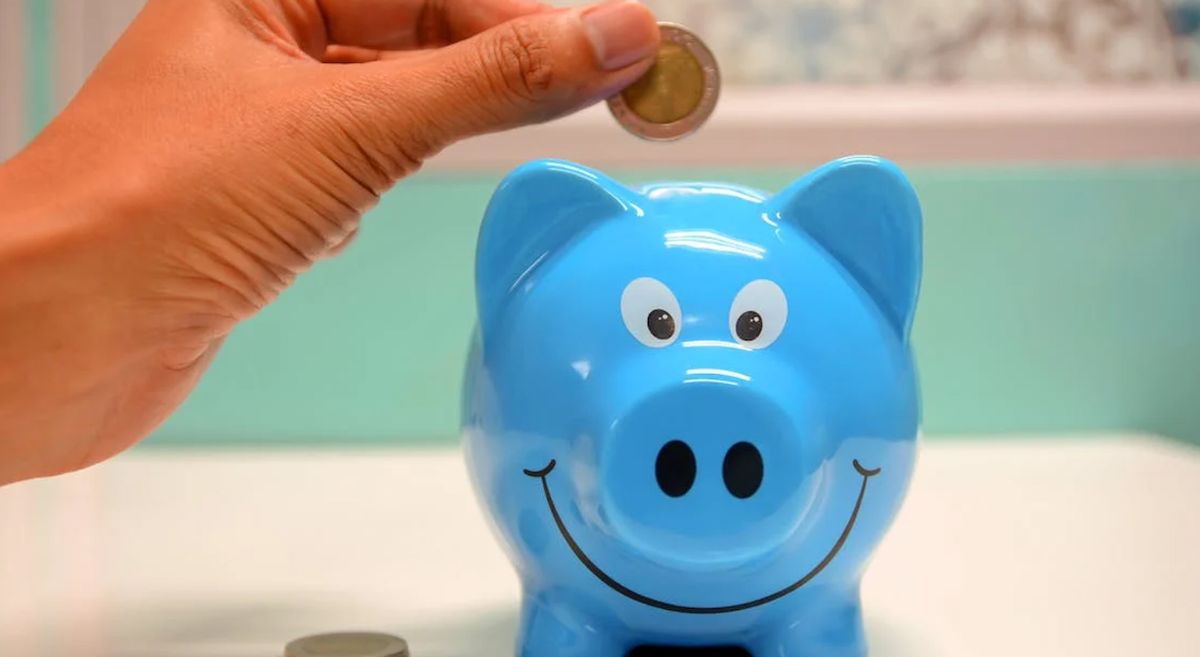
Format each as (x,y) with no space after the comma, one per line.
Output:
(1055,299)
(39,50)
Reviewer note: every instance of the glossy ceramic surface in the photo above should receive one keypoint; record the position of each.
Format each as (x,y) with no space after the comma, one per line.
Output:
(691,409)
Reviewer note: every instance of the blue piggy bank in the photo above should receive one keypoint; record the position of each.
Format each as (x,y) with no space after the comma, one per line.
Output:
(691,409)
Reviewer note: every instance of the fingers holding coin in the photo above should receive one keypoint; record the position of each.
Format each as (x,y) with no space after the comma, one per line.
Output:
(677,95)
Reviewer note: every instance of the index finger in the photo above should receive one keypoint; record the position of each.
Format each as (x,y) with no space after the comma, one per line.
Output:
(407,24)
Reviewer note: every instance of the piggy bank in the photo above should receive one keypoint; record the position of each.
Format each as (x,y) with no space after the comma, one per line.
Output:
(690,409)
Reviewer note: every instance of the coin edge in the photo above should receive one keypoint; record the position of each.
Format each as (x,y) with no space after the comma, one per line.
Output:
(662,132)
(400,649)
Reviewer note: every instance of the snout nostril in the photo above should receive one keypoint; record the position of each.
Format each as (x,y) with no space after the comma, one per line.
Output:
(743,470)
(675,468)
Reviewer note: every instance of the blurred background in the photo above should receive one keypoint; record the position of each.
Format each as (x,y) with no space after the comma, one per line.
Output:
(1055,145)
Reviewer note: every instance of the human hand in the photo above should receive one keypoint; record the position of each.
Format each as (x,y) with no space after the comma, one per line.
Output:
(221,148)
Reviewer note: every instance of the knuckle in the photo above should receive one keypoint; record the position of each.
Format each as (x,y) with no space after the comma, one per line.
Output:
(526,64)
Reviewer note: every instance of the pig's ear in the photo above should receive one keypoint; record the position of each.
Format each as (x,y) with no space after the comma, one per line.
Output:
(538,208)
(864,212)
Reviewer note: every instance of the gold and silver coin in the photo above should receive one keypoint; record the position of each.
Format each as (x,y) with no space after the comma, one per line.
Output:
(677,95)
(348,644)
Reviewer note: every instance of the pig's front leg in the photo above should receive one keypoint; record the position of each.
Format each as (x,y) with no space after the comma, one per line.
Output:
(830,630)
(550,627)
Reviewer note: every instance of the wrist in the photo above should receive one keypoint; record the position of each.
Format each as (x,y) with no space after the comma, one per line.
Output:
(64,330)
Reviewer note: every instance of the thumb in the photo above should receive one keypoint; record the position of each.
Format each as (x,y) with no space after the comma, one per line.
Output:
(527,70)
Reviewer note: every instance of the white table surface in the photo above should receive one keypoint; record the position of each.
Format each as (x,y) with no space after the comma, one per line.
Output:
(1084,546)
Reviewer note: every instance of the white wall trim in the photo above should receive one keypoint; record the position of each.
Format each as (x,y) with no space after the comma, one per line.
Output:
(805,125)
(71,63)
(84,31)
(12,76)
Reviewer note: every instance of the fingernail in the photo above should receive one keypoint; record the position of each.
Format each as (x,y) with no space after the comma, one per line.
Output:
(621,33)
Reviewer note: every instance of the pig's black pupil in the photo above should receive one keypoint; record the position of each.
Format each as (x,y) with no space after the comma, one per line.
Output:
(749,325)
(661,324)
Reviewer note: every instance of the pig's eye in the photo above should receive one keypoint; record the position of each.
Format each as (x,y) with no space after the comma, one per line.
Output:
(650,312)
(661,324)
(758,314)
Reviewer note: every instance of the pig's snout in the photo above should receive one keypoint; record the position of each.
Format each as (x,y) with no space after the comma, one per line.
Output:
(707,471)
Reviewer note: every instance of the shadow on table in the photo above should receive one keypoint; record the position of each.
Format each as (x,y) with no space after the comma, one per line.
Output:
(491,632)
(261,629)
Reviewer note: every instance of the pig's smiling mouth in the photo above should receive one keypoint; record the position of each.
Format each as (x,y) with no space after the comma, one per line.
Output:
(684,609)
